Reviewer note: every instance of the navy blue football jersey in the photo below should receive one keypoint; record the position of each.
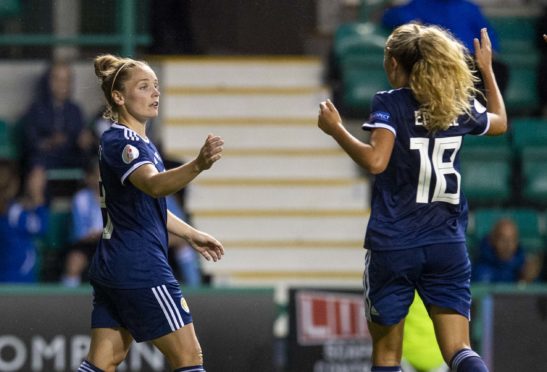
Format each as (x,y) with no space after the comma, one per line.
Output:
(132,252)
(417,200)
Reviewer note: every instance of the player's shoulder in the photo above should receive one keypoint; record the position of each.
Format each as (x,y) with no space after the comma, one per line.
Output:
(394,92)
(118,132)
(393,95)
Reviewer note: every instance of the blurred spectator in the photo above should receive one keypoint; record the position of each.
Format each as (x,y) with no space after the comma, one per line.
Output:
(87,226)
(186,262)
(182,258)
(462,18)
(542,68)
(502,259)
(21,221)
(53,131)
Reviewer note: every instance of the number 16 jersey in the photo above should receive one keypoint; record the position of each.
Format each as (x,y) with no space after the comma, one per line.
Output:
(417,200)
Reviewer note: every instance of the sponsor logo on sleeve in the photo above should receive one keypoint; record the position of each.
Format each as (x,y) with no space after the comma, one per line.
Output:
(379,116)
(129,154)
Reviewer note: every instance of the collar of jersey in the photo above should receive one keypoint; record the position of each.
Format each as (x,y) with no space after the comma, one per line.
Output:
(125,127)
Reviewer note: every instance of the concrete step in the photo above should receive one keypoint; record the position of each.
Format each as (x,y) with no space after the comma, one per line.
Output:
(246,133)
(267,225)
(272,164)
(283,280)
(253,103)
(246,71)
(293,259)
(252,194)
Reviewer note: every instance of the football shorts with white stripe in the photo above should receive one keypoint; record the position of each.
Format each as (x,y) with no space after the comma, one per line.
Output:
(147,313)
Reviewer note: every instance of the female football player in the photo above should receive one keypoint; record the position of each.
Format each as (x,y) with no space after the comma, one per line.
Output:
(415,237)
(136,296)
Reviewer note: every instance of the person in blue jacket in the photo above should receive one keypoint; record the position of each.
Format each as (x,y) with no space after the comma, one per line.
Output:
(52,128)
(502,258)
(21,221)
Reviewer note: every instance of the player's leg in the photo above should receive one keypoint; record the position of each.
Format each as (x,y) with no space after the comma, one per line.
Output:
(182,349)
(387,346)
(452,331)
(110,341)
(389,291)
(445,289)
(109,347)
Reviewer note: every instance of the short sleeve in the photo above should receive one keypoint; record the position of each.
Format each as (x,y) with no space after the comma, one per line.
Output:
(380,116)
(124,155)
(480,121)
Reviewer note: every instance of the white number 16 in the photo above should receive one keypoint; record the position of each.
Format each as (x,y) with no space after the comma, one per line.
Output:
(440,167)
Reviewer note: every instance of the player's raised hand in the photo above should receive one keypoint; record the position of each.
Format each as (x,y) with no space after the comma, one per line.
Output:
(210,152)
(329,118)
(206,245)
(483,51)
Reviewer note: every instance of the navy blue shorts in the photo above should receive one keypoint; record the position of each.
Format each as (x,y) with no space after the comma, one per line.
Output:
(440,273)
(147,313)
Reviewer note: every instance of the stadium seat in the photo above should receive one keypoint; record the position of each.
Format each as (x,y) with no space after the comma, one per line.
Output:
(485,165)
(487,147)
(7,150)
(517,36)
(357,37)
(529,132)
(58,234)
(520,97)
(51,246)
(358,58)
(360,82)
(515,33)
(486,181)
(529,222)
(9,8)
(534,173)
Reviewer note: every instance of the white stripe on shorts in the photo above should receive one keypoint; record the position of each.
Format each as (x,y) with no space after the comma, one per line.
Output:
(167,310)
(366,285)
(177,312)
(84,367)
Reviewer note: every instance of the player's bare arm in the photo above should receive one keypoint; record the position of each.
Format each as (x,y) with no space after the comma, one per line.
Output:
(373,156)
(495,104)
(205,244)
(157,184)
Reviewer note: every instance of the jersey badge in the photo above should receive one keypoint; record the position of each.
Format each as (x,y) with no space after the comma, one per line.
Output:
(184,305)
(129,154)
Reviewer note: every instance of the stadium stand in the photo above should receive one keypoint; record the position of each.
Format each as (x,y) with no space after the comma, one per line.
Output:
(486,169)
(530,146)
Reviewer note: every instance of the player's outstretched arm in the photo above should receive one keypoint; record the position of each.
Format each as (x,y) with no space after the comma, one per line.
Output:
(373,156)
(147,179)
(495,104)
(205,244)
